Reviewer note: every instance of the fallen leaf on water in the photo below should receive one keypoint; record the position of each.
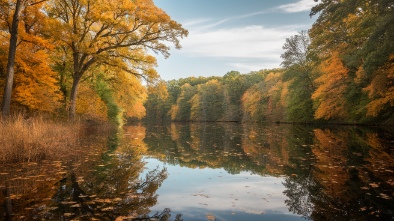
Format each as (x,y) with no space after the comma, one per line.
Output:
(210,217)
(108,209)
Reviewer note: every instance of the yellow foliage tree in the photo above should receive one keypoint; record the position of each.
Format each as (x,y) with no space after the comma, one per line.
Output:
(252,103)
(112,33)
(90,105)
(332,85)
(265,101)
(130,95)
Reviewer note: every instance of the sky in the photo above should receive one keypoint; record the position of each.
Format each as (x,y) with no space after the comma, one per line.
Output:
(231,35)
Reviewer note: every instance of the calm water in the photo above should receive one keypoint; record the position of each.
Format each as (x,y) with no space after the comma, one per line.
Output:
(212,171)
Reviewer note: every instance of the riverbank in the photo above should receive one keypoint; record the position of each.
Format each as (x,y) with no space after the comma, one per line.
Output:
(36,138)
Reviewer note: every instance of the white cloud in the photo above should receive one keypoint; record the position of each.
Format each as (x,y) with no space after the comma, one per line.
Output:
(206,23)
(218,191)
(214,45)
(195,22)
(246,67)
(300,6)
(252,42)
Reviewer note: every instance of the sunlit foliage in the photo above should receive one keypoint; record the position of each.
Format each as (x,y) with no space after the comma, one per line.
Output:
(115,34)
(35,83)
(381,89)
(332,85)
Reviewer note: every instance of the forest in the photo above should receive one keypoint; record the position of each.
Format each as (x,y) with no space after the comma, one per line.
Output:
(340,71)
(92,60)
(80,58)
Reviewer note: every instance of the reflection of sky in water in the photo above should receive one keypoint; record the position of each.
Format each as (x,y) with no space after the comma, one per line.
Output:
(198,192)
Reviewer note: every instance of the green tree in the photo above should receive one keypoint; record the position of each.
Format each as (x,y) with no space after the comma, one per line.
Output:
(299,66)
(234,87)
(158,103)
(182,109)
(207,103)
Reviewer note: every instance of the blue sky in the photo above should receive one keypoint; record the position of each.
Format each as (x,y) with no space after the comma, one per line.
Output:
(226,35)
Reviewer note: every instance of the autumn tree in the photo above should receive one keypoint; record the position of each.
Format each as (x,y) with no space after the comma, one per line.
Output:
(130,95)
(381,90)
(367,26)
(117,34)
(265,101)
(276,92)
(29,75)
(329,97)
(10,15)
(361,34)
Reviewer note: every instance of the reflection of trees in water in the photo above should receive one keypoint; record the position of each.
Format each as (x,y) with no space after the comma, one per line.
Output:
(298,189)
(201,145)
(105,199)
(330,174)
(113,189)
(101,186)
(343,181)
(302,189)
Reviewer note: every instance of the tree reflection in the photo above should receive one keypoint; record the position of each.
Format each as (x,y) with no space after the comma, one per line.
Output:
(202,145)
(113,190)
(341,173)
(97,186)
(103,201)
(343,181)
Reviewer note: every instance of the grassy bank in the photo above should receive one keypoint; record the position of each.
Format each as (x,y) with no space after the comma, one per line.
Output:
(34,139)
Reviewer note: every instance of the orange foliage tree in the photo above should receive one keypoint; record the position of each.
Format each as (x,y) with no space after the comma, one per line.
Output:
(381,89)
(90,105)
(265,101)
(329,99)
(35,84)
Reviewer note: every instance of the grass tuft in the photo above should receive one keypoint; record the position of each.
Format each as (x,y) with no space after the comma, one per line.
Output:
(35,139)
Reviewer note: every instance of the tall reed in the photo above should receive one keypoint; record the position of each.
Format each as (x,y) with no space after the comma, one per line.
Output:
(34,139)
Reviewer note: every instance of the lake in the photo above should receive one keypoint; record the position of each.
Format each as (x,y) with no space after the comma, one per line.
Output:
(210,171)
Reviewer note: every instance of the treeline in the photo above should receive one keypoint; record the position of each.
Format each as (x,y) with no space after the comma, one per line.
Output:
(74,58)
(340,71)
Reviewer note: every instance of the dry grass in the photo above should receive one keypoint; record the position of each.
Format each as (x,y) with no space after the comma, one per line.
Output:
(34,139)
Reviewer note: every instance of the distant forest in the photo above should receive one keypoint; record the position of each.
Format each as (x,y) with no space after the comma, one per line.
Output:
(339,71)
(94,66)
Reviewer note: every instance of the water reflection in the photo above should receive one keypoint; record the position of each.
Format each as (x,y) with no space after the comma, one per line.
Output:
(211,171)
(101,182)
(341,173)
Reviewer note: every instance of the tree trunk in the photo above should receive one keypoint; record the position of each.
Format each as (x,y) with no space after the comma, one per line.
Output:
(6,104)
(73,98)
